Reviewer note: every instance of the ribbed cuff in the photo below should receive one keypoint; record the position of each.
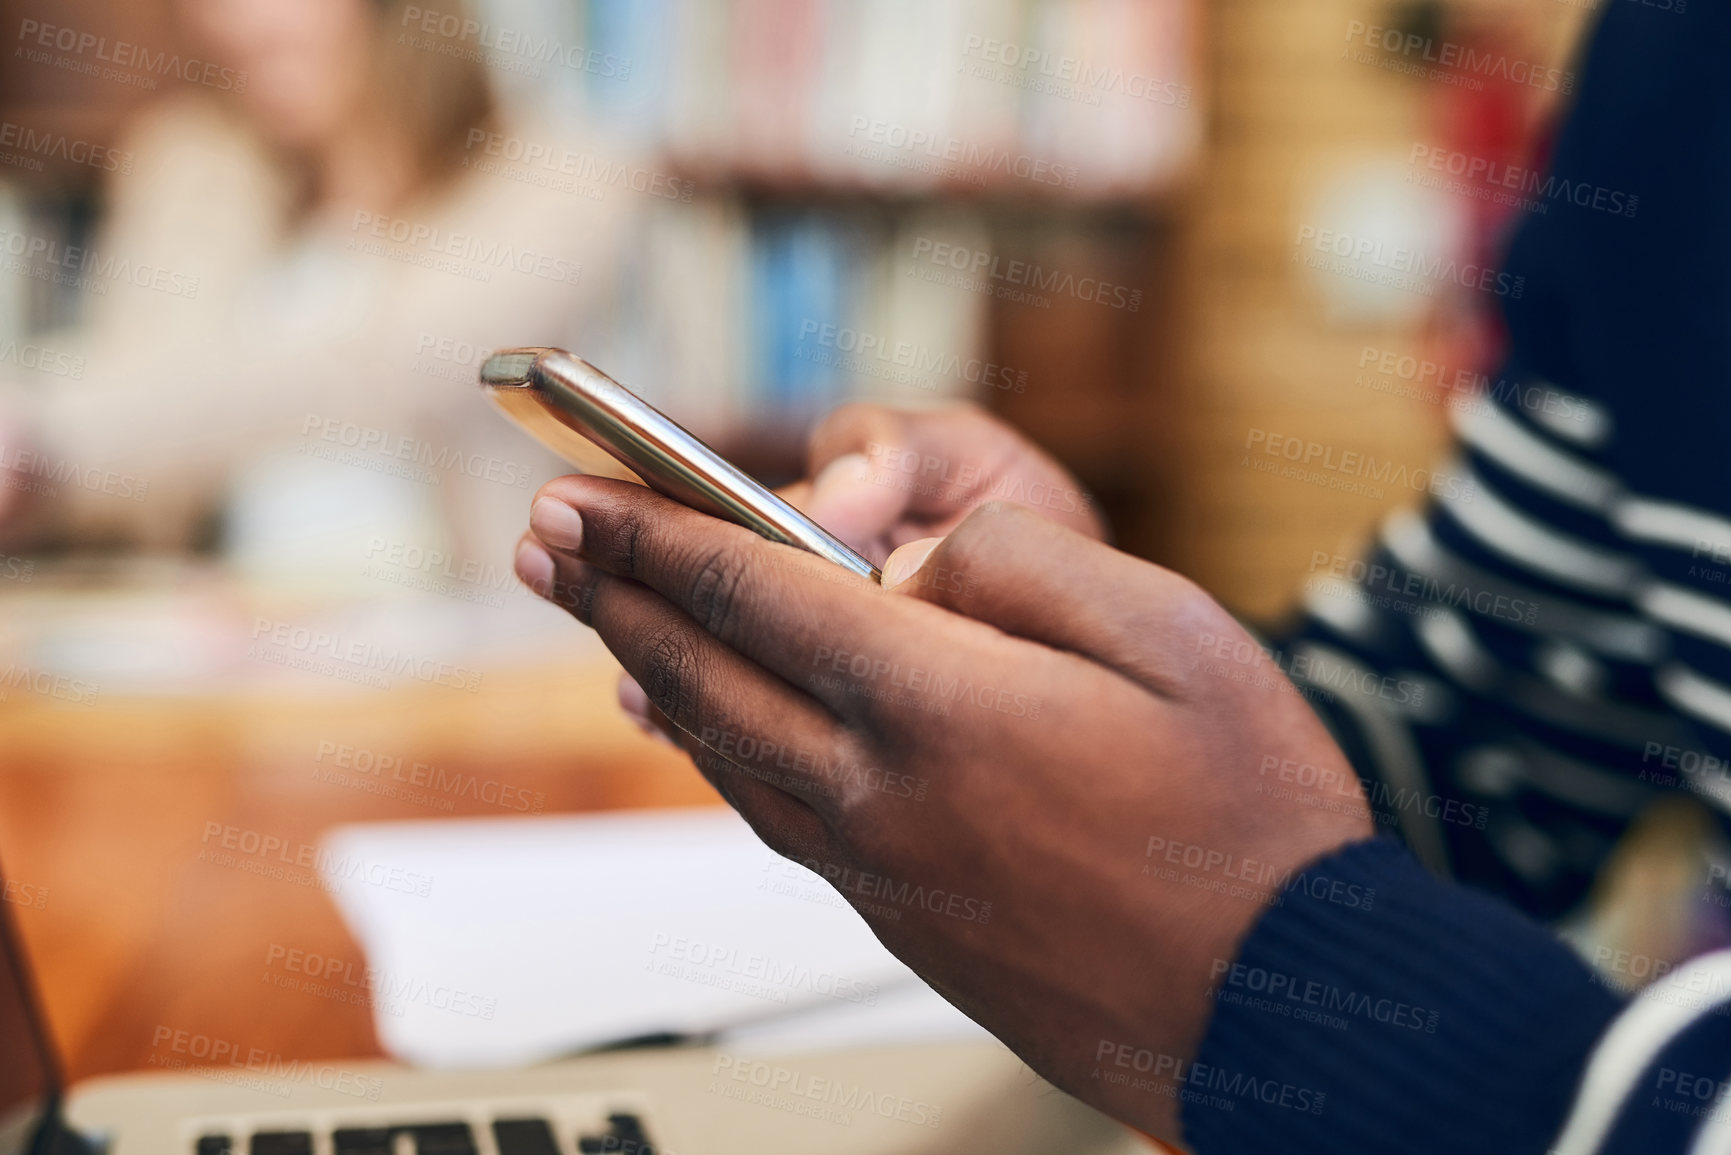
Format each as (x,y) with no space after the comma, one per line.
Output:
(1379,1009)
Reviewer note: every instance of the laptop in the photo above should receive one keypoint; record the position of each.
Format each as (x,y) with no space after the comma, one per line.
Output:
(210,1096)
(225,1101)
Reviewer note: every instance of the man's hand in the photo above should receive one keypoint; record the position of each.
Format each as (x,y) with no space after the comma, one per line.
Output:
(883,477)
(892,482)
(1060,783)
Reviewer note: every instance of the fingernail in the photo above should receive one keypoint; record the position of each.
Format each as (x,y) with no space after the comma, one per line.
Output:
(535,566)
(556,523)
(906,561)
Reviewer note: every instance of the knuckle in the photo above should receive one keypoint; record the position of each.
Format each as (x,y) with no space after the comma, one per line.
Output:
(869,824)
(715,594)
(613,531)
(855,812)
(672,671)
(625,542)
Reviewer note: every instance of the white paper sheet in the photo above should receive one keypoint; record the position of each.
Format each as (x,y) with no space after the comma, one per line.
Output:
(536,937)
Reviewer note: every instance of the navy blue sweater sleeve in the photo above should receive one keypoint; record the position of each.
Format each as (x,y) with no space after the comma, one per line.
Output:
(1425,1017)
(1392,1011)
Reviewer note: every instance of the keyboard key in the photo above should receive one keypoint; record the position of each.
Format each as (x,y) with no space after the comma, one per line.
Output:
(215,1145)
(524,1137)
(629,1128)
(624,1136)
(442,1138)
(362,1140)
(282,1143)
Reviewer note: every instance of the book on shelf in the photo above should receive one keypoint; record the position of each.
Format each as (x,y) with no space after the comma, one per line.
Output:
(1085,98)
(850,160)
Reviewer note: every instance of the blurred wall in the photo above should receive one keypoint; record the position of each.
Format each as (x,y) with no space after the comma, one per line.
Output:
(1260,351)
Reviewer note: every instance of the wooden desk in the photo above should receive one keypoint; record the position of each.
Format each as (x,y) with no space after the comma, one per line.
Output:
(104,812)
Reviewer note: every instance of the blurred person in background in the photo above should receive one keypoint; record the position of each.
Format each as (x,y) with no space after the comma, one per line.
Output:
(326,266)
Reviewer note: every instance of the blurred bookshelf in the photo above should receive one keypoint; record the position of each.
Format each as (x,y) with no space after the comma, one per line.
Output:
(910,201)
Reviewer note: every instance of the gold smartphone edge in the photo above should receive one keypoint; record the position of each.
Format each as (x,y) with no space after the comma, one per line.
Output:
(560,399)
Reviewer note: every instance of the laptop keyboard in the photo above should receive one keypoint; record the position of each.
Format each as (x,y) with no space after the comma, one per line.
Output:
(623,1134)
(525,1137)
(280,1143)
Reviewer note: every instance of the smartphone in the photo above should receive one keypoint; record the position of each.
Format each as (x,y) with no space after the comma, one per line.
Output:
(601,427)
